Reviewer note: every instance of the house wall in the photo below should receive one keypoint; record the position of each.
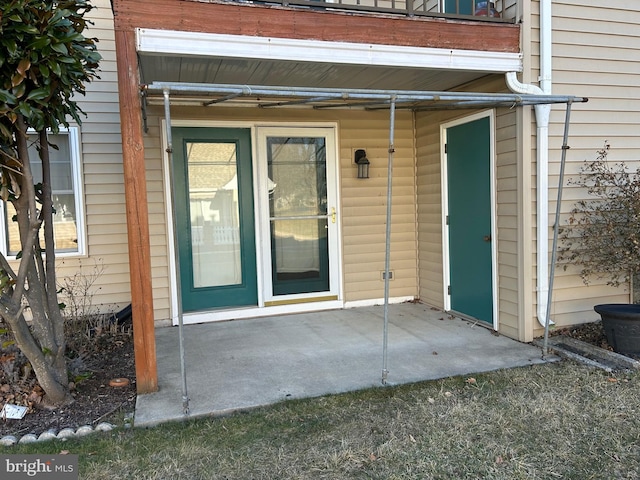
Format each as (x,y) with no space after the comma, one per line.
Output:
(592,48)
(363,202)
(101,153)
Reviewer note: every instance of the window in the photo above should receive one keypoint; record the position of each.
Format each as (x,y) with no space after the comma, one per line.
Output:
(66,184)
(461,7)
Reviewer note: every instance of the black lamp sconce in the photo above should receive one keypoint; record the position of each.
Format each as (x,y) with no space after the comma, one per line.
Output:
(361,160)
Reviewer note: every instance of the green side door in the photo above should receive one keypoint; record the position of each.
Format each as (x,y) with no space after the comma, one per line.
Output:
(469,219)
(214,217)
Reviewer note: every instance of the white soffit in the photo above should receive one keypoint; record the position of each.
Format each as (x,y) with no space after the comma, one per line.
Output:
(172,42)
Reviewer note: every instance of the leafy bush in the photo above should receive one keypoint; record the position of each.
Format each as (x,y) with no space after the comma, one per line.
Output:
(603,232)
(85,321)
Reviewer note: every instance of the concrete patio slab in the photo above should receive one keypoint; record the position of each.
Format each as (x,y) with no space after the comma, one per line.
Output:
(244,364)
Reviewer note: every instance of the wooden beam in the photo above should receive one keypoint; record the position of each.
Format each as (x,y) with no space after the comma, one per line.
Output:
(135,190)
(328,25)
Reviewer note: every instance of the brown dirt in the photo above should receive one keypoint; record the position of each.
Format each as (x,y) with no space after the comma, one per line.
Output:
(592,333)
(109,356)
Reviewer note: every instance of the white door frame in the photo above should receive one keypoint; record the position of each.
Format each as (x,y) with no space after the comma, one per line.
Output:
(262,132)
(290,304)
(445,208)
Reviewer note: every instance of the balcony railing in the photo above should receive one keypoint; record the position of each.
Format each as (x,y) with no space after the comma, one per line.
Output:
(463,9)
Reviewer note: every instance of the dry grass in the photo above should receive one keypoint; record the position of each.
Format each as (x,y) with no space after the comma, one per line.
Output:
(543,422)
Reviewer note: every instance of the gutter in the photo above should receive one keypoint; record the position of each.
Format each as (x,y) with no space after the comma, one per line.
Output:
(542,148)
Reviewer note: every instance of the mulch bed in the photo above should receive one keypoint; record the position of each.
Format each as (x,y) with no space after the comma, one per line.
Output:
(111,357)
(591,333)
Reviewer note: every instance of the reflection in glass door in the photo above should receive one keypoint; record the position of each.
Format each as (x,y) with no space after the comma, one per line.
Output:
(213,213)
(298,214)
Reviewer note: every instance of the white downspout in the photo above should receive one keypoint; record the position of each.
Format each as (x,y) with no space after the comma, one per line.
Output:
(542,148)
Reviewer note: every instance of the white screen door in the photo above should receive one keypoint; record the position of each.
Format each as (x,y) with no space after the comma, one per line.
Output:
(299,214)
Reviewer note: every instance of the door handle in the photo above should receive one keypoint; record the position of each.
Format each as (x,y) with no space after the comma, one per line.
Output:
(333,215)
(487,238)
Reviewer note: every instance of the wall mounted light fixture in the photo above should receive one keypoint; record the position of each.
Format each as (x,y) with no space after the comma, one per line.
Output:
(361,160)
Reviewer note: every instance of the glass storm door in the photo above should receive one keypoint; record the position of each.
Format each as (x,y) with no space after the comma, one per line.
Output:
(300,212)
(215,218)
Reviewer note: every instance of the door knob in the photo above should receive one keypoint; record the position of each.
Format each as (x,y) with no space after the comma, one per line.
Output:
(487,238)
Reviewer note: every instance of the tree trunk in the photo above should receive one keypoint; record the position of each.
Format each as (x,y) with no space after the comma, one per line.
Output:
(43,344)
(57,392)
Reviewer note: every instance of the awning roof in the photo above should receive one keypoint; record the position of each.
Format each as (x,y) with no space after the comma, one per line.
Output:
(290,73)
(196,57)
(321,98)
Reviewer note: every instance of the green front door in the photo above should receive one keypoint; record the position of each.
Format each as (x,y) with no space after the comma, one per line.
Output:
(214,217)
(469,219)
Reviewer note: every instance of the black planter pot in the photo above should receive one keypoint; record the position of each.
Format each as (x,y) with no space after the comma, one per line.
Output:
(621,323)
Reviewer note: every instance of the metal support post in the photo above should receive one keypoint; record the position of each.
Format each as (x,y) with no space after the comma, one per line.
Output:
(385,336)
(183,369)
(556,226)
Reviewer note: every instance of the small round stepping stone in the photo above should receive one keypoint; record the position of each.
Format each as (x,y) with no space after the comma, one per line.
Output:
(66,433)
(46,436)
(104,427)
(84,430)
(8,440)
(28,438)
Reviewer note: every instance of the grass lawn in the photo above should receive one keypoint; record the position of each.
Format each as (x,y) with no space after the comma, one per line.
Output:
(551,421)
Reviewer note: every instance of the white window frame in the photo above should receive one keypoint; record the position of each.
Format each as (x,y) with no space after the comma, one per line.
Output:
(73,135)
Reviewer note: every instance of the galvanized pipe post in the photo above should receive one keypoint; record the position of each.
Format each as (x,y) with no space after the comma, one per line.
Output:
(556,227)
(183,369)
(385,335)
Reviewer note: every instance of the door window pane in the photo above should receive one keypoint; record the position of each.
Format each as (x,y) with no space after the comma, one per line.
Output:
(214,214)
(298,214)
(299,248)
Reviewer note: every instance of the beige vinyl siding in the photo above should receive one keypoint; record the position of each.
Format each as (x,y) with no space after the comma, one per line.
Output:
(363,202)
(510,9)
(508,213)
(594,47)
(101,154)
(157,221)
(430,253)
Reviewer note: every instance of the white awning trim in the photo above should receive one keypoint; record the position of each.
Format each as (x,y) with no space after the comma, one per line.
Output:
(173,42)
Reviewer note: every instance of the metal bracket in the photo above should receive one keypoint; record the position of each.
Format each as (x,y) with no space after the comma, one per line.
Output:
(143,102)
